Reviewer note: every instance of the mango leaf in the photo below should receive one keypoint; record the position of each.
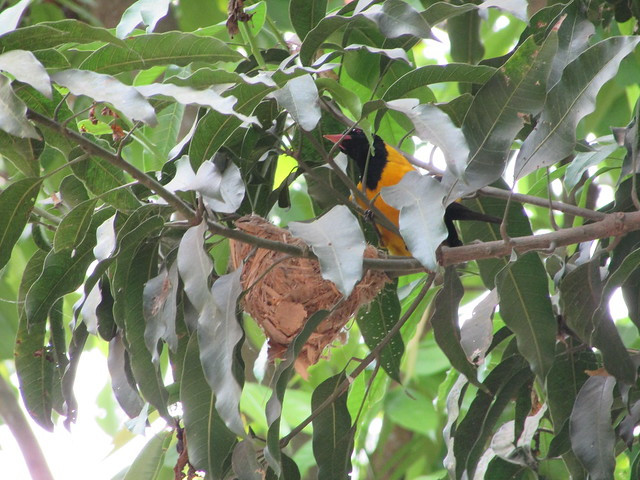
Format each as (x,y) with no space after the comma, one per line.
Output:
(24,66)
(103,179)
(47,35)
(214,129)
(592,437)
(73,227)
(419,199)
(284,372)
(104,88)
(429,74)
(583,160)
(209,441)
(16,202)
(187,95)
(300,98)
(32,365)
(580,294)
(13,113)
(63,273)
(476,332)
(569,101)
(525,307)
(222,191)
(245,462)
(10,17)
(23,153)
(435,126)
(195,266)
(305,14)
(496,114)
(446,329)
(150,460)
(147,12)
(332,431)
(338,242)
(573,37)
(375,321)
(160,309)
(133,268)
(476,427)
(123,388)
(145,51)
(219,334)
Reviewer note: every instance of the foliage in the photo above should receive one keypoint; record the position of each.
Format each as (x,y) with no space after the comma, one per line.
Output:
(126,153)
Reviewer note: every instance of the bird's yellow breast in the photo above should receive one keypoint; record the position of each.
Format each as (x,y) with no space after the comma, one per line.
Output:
(396,167)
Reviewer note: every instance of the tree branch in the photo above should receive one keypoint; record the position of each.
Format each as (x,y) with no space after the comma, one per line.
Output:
(12,415)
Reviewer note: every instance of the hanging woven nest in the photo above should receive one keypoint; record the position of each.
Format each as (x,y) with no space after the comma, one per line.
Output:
(285,292)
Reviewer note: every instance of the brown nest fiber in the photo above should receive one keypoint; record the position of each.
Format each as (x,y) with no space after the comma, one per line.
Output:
(286,291)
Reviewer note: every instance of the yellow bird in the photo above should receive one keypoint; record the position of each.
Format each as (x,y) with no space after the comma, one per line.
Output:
(386,167)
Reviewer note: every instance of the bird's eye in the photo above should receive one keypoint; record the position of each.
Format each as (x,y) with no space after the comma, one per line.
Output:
(356,131)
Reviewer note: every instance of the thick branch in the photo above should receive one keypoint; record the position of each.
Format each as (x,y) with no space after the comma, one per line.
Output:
(12,415)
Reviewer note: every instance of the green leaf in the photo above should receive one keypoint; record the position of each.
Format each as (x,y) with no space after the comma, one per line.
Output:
(32,365)
(104,179)
(219,335)
(580,294)
(496,114)
(147,12)
(300,98)
(525,307)
(10,17)
(332,431)
(338,242)
(445,322)
(104,88)
(123,387)
(133,268)
(419,199)
(27,69)
(23,153)
(74,226)
(13,113)
(171,48)
(245,462)
(464,35)
(568,101)
(209,441)
(305,15)
(453,72)
(214,129)
(283,373)
(433,125)
(52,34)
(160,309)
(476,428)
(150,460)
(398,18)
(375,321)
(63,273)
(592,437)
(16,202)
(187,95)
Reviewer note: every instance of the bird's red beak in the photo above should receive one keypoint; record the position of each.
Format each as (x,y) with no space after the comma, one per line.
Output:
(337,138)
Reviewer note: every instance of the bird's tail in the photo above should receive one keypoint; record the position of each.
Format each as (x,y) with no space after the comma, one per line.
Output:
(457,211)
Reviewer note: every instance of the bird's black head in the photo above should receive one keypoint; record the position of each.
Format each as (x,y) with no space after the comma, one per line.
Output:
(356,145)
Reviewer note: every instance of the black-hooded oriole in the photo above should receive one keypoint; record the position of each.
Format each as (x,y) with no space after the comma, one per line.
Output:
(385,167)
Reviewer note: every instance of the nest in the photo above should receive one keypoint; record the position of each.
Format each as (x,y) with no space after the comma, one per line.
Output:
(286,291)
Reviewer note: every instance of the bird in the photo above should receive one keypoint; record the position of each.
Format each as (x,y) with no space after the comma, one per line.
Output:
(384,167)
